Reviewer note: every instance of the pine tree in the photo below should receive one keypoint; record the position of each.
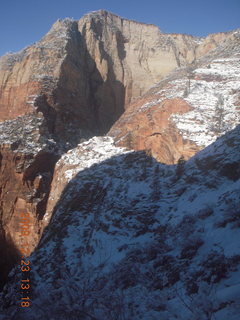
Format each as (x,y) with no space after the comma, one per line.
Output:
(180,166)
(219,124)
(156,185)
(190,76)
(219,114)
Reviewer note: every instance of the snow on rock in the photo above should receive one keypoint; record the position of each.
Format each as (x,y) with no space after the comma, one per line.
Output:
(86,154)
(29,134)
(134,239)
(90,152)
(213,91)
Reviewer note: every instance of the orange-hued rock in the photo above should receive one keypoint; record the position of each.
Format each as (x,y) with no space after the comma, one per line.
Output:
(179,115)
(24,185)
(49,77)
(76,82)
(27,160)
(132,56)
(151,129)
(87,72)
(16,96)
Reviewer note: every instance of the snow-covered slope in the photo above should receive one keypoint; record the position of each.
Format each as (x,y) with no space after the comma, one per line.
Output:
(134,239)
(88,153)
(187,110)
(213,92)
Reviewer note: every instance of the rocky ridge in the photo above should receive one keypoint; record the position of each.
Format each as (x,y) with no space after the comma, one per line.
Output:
(93,68)
(74,84)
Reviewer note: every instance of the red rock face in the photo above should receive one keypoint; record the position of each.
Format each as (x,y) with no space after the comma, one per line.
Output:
(15,97)
(180,115)
(152,130)
(89,71)
(24,185)
(75,83)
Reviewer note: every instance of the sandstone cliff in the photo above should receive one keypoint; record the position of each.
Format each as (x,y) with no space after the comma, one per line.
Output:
(85,73)
(75,83)
(187,110)
(27,159)
(134,55)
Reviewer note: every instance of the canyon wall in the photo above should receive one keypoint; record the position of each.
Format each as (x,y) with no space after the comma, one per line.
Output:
(75,83)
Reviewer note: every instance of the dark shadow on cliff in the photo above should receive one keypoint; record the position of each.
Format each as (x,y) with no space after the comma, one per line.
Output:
(84,197)
(28,178)
(9,256)
(91,194)
(88,196)
(85,103)
(71,199)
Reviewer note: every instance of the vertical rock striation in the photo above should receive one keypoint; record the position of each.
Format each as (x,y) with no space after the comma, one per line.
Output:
(71,85)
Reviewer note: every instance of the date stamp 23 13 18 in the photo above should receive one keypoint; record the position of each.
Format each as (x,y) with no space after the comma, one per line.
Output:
(25,264)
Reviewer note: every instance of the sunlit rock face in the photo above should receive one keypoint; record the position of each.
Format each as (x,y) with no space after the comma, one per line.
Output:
(187,110)
(86,76)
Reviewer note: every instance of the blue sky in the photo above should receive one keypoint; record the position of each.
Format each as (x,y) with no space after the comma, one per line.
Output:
(23,22)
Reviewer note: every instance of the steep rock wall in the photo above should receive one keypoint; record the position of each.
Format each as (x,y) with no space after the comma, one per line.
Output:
(75,83)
